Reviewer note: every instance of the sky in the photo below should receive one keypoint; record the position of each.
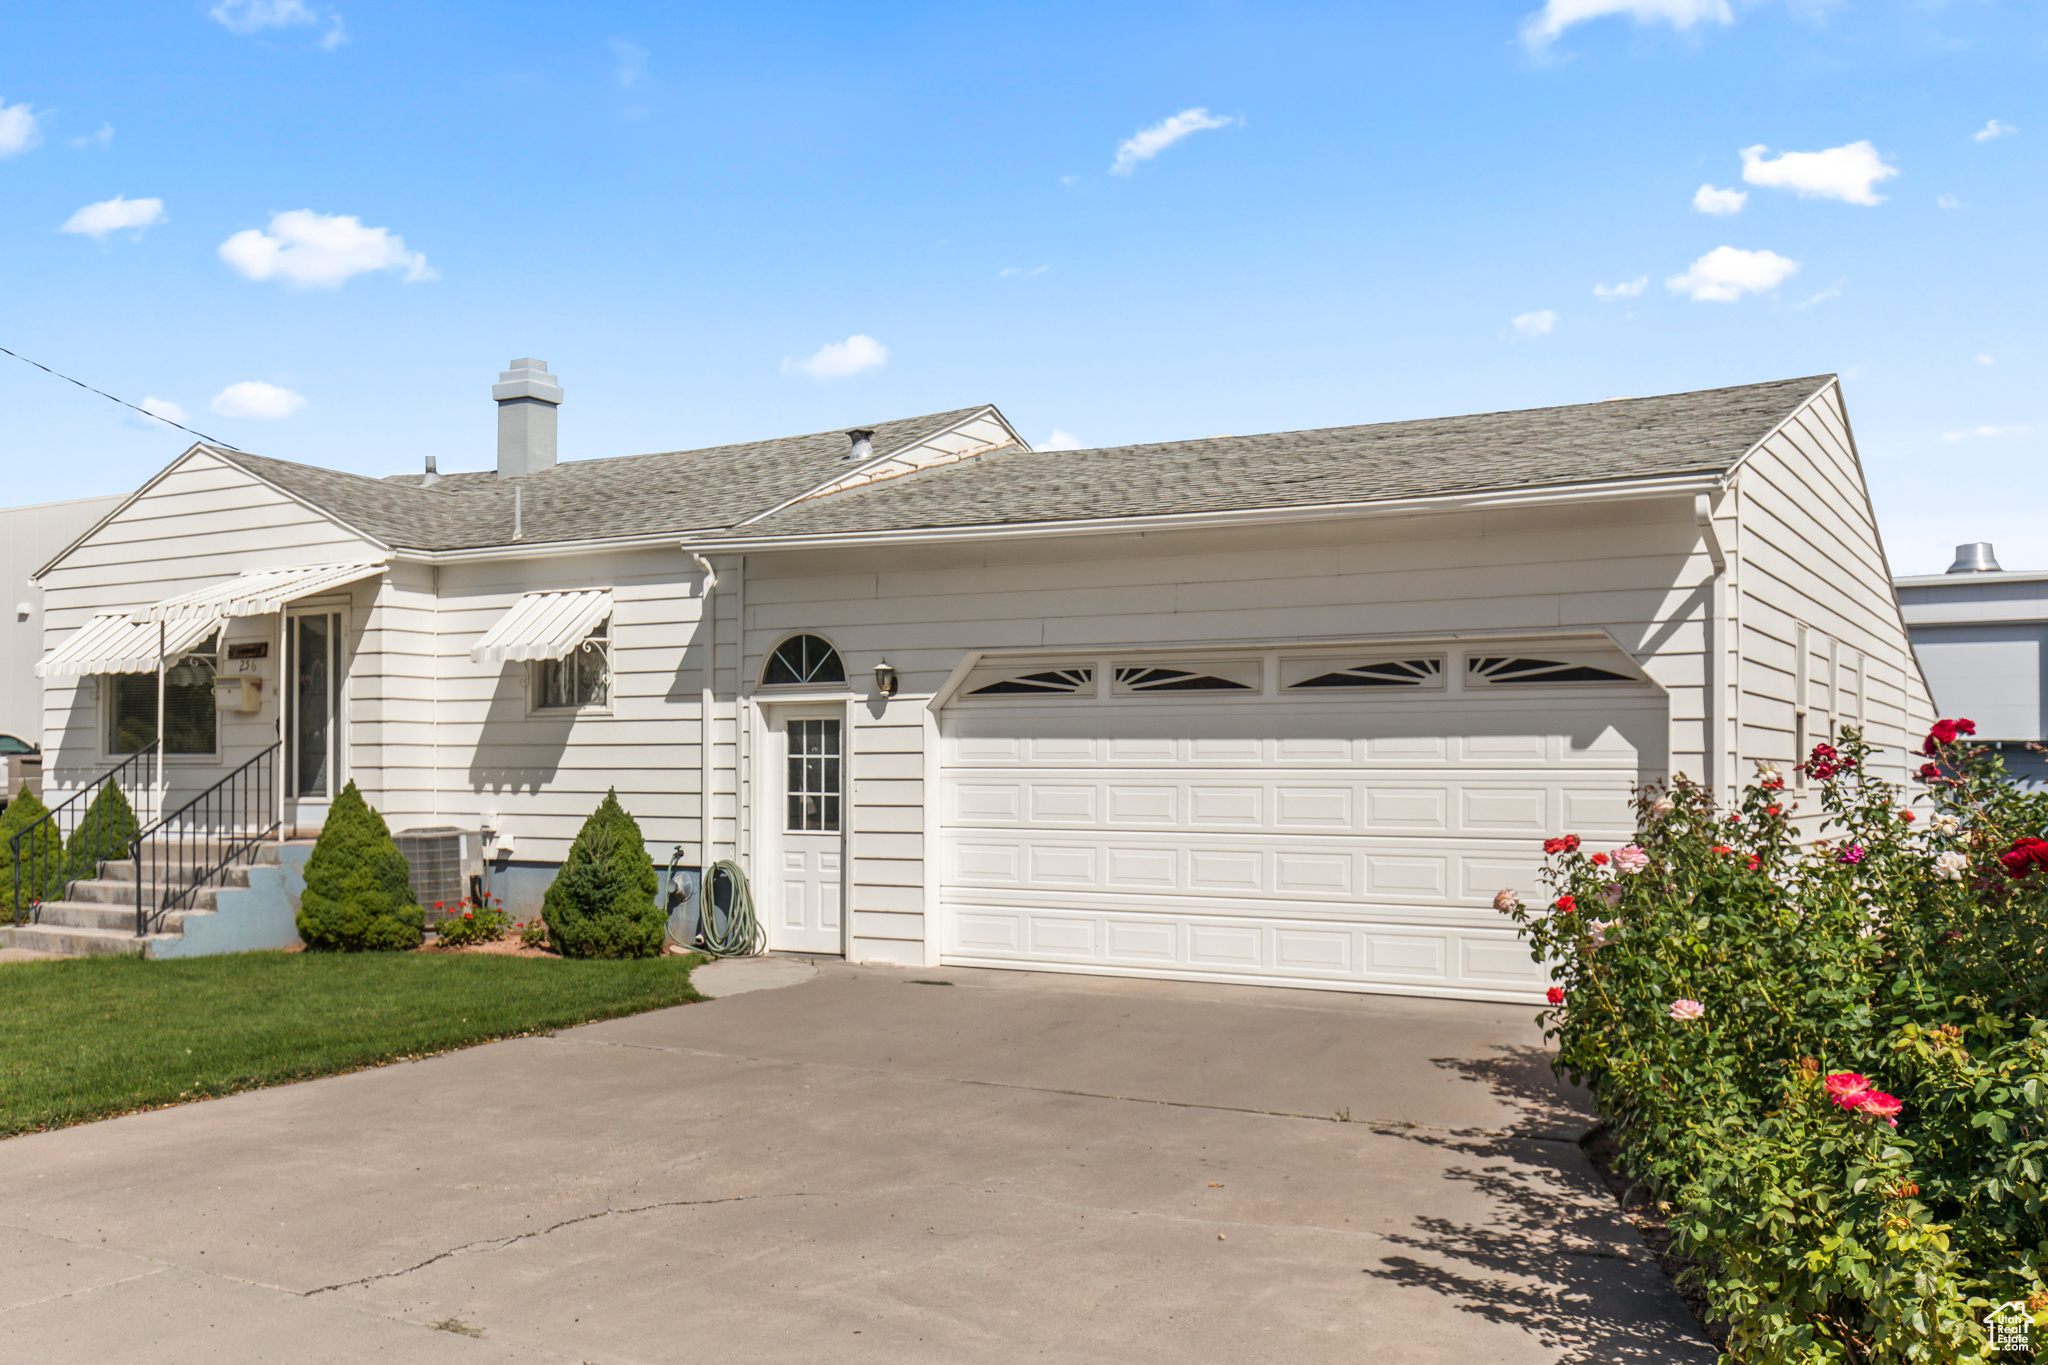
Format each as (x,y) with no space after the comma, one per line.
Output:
(318,232)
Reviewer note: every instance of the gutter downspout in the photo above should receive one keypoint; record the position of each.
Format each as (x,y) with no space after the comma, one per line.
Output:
(1716,671)
(704,732)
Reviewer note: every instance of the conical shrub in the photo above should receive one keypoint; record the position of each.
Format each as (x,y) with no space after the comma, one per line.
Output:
(107,831)
(601,904)
(358,895)
(42,853)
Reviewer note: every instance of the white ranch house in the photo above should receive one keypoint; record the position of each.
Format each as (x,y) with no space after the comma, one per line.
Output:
(1286,708)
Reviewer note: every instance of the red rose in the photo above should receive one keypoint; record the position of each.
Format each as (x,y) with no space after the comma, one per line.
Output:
(1930,772)
(1567,904)
(1599,860)
(1776,810)
(1754,862)
(1555,995)
(2023,857)
(1907,816)
(1722,848)
(1946,732)
(1567,844)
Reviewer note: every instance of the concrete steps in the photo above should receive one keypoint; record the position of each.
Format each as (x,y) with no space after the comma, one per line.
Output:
(97,916)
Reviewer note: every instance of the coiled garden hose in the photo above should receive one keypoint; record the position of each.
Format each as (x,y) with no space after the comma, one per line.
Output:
(741,934)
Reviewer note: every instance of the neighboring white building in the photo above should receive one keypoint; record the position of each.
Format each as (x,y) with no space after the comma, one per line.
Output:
(1286,708)
(29,536)
(1981,633)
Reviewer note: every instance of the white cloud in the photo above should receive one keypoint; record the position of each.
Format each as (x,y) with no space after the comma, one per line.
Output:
(631,59)
(1010,271)
(1707,199)
(102,139)
(336,35)
(1627,289)
(1995,128)
(1986,432)
(838,359)
(253,16)
(1846,173)
(1556,16)
(111,215)
(1150,142)
(1726,273)
(1833,291)
(166,409)
(1947,201)
(254,398)
(310,249)
(1062,440)
(1535,324)
(19,131)
(1983,359)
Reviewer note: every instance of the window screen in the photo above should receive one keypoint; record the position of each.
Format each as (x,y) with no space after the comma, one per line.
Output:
(189,718)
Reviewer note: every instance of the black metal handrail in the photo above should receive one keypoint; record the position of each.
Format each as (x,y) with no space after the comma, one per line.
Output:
(70,842)
(200,840)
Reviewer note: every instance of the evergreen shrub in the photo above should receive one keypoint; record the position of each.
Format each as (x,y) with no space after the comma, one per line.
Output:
(601,904)
(42,853)
(106,832)
(1821,1046)
(358,895)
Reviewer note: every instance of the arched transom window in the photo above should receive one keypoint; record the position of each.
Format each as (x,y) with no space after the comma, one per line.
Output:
(803,659)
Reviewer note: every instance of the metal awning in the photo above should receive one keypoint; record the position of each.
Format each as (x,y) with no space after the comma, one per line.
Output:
(259,592)
(113,642)
(543,625)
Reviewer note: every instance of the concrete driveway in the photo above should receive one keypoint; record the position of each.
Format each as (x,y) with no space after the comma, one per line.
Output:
(863,1167)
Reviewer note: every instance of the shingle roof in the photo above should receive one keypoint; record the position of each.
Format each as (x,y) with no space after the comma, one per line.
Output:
(1704,432)
(674,491)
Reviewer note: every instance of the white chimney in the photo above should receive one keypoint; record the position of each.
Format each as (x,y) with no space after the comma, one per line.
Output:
(527,397)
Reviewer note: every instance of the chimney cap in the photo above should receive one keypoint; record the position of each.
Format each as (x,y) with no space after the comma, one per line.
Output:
(1976,557)
(527,378)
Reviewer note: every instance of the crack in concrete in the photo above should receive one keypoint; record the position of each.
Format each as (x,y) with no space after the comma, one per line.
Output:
(1393,1126)
(486,1244)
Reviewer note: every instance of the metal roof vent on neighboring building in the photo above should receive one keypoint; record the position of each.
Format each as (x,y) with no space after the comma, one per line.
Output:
(1975,557)
(863,447)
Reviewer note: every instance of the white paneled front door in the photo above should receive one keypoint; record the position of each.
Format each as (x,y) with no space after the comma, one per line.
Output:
(806,779)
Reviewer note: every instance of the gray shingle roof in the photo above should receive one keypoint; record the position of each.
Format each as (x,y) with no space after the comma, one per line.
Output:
(708,491)
(675,491)
(1704,432)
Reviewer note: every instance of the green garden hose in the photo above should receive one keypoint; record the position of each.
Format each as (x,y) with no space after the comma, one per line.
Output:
(741,934)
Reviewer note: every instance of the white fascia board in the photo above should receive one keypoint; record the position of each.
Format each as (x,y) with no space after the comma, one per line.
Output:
(1631,490)
(1971,580)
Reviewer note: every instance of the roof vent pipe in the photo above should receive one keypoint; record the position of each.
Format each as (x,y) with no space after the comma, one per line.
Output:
(432,476)
(527,396)
(1975,557)
(863,445)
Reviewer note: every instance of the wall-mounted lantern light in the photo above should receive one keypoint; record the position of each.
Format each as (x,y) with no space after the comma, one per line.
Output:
(885,678)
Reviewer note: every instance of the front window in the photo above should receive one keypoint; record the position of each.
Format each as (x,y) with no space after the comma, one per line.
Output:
(190,724)
(581,678)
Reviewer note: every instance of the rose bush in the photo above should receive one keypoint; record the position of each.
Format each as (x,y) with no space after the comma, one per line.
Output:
(1822,1048)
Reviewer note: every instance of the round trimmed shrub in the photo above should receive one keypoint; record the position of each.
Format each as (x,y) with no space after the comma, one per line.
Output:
(601,904)
(42,853)
(358,895)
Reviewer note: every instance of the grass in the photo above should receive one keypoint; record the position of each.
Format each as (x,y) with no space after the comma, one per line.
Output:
(88,1038)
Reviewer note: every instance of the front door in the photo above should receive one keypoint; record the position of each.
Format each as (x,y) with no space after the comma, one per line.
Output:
(312,704)
(804,881)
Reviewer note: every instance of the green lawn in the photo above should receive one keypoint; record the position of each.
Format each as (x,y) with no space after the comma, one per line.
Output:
(87,1038)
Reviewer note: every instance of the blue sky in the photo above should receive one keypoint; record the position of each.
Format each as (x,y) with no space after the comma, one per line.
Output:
(1119,222)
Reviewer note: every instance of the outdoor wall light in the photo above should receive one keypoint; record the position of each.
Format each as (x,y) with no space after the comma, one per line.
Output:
(885,678)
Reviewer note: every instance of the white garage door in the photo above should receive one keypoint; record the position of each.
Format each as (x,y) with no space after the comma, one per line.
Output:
(1336,839)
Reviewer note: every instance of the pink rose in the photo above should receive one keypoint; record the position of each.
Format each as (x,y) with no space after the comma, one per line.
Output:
(1628,858)
(1685,1011)
(1506,901)
(1843,1084)
(1877,1105)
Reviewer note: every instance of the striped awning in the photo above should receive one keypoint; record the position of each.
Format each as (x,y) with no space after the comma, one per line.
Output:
(543,625)
(259,592)
(114,642)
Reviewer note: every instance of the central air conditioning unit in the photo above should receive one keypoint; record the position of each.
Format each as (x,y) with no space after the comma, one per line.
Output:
(445,862)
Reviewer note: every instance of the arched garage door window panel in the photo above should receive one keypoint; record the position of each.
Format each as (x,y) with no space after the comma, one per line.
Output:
(1353,674)
(1495,670)
(1049,682)
(803,659)
(1236,675)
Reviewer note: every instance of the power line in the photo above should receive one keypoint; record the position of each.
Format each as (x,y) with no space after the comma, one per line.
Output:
(156,417)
